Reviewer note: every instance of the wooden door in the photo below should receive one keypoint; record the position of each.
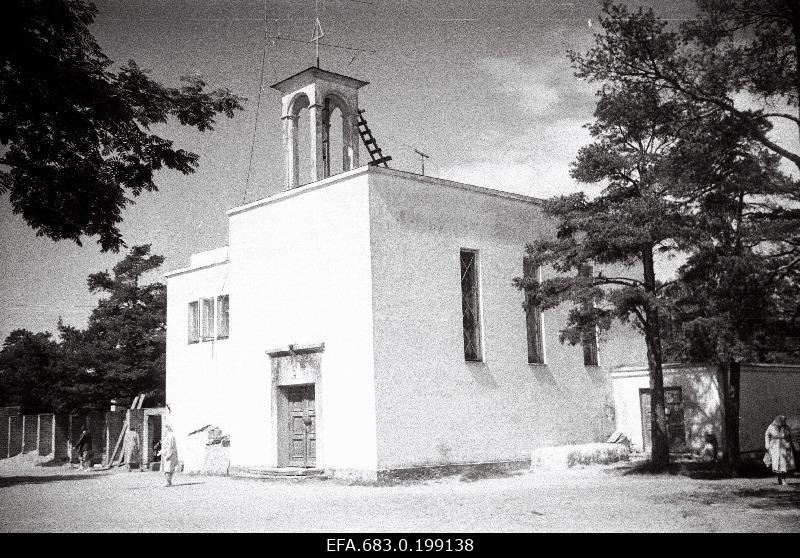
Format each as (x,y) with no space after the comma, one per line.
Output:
(302,426)
(673,406)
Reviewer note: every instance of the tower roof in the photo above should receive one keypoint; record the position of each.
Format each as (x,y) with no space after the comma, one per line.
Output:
(308,75)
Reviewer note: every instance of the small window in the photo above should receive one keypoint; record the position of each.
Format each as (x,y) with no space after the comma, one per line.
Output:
(470,305)
(533,318)
(194,322)
(207,318)
(223,320)
(589,338)
(590,348)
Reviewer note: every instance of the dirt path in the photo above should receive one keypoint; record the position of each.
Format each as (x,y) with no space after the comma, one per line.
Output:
(590,499)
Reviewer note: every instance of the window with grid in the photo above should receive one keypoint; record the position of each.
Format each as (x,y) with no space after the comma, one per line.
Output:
(533,318)
(223,320)
(589,338)
(470,305)
(207,318)
(194,322)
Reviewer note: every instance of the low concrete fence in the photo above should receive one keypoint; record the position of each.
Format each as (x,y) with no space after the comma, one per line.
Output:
(14,436)
(54,435)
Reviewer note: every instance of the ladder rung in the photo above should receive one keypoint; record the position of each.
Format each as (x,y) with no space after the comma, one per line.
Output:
(382,160)
(369,141)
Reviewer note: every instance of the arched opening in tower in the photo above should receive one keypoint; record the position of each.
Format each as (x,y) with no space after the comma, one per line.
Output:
(334,147)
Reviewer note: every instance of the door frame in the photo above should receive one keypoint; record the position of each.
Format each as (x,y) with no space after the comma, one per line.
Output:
(284,426)
(645,420)
(294,365)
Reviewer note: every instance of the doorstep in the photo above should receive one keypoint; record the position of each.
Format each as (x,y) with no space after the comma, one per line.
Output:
(276,472)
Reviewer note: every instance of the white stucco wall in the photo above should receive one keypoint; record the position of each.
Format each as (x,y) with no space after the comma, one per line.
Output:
(767,391)
(198,374)
(701,406)
(300,273)
(432,406)
(367,262)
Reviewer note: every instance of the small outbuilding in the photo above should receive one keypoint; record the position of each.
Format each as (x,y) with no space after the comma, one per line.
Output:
(692,400)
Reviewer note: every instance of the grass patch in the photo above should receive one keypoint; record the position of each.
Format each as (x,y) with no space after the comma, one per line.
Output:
(582,454)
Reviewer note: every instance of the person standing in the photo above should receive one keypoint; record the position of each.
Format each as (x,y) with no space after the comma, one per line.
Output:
(169,454)
(132,447)
(84,447)
(778,442)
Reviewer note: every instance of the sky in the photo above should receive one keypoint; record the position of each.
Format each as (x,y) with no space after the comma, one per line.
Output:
(483,87)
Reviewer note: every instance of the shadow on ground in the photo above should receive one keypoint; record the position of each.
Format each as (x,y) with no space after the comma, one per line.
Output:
(702,470)
(768,499)
(30,479)
(773,498)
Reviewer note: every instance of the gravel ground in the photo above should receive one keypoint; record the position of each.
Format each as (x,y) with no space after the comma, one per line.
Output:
(595,499)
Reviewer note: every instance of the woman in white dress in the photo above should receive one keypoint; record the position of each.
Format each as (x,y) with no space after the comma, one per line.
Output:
(169,454)
(778,442)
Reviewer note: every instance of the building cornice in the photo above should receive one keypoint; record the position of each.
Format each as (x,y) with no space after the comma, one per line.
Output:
(369,169)
(186,270)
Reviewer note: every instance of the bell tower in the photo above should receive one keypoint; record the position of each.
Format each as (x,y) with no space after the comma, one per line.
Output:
(319,91)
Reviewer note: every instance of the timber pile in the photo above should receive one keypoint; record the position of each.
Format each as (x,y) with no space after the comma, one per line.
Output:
(113,461)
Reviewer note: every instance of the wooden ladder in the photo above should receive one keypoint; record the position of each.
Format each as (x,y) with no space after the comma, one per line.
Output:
(114,459)
(370,143)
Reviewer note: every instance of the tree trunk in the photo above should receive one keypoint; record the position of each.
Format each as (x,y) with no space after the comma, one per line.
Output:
(729,383)
(658,417)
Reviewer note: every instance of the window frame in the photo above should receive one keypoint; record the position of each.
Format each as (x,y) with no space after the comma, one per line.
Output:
(218,317)
(204,318)
(193,322)
(591,351)
(476,310)
(590,342)
(538,319)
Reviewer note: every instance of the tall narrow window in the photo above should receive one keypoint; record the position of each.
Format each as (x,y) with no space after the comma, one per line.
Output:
(223,320)
(194,322)
(207,318)
(589,338)
(533,318)
(470,305)
(590,348)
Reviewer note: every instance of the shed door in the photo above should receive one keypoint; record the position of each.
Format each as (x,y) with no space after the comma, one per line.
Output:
(673,406)
(302,426)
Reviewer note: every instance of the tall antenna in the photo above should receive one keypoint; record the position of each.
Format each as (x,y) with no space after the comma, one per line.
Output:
(422,157)
(318,32)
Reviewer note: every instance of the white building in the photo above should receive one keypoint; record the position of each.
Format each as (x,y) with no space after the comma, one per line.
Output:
(366,323)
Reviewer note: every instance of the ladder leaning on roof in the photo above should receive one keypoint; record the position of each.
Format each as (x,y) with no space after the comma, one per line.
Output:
(370,143)
(137,404)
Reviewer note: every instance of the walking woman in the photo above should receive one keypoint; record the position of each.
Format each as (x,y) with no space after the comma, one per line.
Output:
(778,442)
(169,454)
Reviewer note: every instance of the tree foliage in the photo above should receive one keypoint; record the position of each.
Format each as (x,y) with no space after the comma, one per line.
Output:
(79,145)
(733,50)
(625,226)
(26,365)
(120,353)
(685,171)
